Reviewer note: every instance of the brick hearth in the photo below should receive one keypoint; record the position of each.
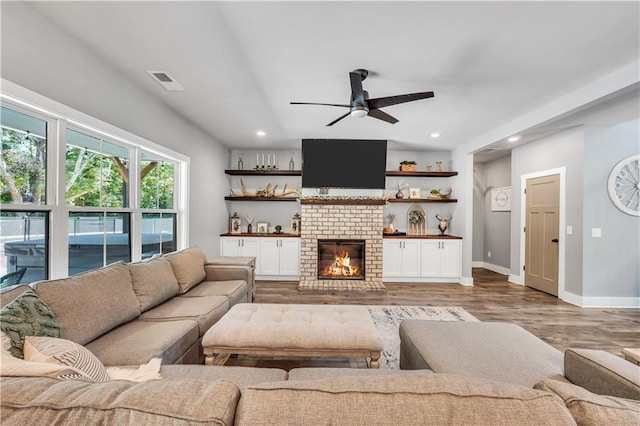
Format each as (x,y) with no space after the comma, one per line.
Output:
(341,221)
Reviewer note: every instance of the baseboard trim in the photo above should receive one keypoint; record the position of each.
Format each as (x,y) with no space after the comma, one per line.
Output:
(516,279)
(466,281)
(490,266)
(601,302)
(423,280)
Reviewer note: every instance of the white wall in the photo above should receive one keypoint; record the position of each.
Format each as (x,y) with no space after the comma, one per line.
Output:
(38,56)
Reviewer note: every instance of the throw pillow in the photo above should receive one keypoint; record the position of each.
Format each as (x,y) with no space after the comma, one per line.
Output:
(65,352)
(188,267)
(27,315)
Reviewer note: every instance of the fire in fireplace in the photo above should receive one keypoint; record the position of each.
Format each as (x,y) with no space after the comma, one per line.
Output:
(341,259)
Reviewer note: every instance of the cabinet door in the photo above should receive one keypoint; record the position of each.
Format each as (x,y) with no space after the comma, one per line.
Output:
(229,246)
(269,256)
(251,247)
(410,258)
(450,263)
(290,256)
(430,258)
(391,258)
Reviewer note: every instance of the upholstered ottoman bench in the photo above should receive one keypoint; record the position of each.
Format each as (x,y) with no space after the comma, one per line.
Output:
(293,330)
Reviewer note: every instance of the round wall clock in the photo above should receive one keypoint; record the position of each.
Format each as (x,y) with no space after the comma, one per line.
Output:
(624,185)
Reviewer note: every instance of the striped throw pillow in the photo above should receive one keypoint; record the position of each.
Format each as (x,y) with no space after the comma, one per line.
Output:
(65,352)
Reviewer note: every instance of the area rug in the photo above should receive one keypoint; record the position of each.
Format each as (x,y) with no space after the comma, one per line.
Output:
(387,320)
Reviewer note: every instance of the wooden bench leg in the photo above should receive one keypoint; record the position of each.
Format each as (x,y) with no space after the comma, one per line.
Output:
(375,360)
(216,359)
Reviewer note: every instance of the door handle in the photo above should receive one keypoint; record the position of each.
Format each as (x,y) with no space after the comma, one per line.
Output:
(555,240)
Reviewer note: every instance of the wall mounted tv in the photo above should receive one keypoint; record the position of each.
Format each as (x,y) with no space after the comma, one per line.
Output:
(344,163)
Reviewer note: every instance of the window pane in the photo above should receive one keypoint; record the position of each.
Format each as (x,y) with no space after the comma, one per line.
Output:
(24,154)
(24,244)
(158,233)
(97,239)
(97,172)
(156,183)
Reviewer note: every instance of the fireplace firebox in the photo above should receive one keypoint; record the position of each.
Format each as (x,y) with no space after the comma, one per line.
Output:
(341,259)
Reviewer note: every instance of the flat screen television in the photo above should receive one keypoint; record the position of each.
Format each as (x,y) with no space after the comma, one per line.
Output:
(344,163)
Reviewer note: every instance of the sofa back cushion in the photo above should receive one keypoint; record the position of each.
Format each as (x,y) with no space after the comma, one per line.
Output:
(46,401)
(8,294)
(92,303)
(402,400)
(188,267)
(602,373)
(588,408)
(153,282)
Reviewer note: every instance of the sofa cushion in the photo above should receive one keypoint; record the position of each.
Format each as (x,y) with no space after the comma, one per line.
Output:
(402,400)
(206,311)
(486,350)
(67,353)
(315,373)
(27,315)
(92,303)
(188,267)
(602,373)
(136,342)
(240,376)
(42,401)
(153,282)
(236,291)
(9,293)
(588,408)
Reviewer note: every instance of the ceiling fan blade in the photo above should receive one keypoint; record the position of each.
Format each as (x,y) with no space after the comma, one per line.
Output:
(398,99)
(338,119)
(381,115)
(315,103)
(357,94)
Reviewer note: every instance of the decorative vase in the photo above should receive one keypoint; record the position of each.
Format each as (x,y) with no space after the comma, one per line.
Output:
(399,194)
(249,228)
(240,164)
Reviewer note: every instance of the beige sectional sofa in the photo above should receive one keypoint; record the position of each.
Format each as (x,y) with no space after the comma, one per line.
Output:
(127,314)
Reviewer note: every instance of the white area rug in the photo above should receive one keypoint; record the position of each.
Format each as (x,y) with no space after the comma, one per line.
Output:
(387,320)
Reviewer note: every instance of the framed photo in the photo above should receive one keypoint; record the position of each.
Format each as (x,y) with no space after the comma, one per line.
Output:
(262,227)
(501,199)
(235,225)
(414,192)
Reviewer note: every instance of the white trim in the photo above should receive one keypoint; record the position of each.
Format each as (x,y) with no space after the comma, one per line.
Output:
(466,281)
(516,279)
(490,266)
(602,302)
(425,280)
(561,171)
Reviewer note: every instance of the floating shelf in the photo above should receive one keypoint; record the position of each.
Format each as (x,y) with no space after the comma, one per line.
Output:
(264,172)
(420,174)
(422,200)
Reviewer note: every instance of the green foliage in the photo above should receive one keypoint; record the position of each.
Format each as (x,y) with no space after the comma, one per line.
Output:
(156,188)
(407,162)
(22,168)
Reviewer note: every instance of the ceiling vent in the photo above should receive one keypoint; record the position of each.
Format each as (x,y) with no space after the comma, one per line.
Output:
(166,81)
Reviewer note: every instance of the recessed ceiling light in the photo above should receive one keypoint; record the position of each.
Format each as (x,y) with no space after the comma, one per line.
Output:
(435,135)
(261,133)
(515,138)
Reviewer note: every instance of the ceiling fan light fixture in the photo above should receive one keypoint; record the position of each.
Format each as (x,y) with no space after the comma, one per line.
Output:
(359,112)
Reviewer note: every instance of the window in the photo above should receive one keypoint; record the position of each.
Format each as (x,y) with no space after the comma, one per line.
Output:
(98,239)
(156,183)
(25,244)
(96,172)
(158,233)
(24,153)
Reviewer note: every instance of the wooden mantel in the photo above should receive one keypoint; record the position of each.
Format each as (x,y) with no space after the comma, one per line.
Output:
(344,201)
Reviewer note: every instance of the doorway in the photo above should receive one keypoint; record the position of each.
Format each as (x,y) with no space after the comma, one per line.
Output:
(542,233)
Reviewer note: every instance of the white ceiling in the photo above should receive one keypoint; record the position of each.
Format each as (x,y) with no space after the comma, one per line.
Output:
(241,63)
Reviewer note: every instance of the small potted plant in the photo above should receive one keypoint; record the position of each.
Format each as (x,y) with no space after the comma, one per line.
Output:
(278,229)
(408,166)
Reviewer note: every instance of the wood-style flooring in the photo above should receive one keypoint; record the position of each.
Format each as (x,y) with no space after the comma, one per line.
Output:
(492,298)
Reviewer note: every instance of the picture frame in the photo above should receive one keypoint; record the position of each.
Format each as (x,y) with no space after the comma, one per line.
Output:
(501,199)
(235,225)
(262,227)
(414,192)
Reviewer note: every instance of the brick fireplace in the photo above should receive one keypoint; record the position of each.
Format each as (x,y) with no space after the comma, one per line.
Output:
(341,220)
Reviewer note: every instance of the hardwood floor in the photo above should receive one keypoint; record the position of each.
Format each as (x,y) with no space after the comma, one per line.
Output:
(492,298)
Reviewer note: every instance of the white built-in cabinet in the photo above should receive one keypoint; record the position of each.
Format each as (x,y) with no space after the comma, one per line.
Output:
(421,260)
(276,258)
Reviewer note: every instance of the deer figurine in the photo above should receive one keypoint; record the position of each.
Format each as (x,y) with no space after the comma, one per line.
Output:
(443,224)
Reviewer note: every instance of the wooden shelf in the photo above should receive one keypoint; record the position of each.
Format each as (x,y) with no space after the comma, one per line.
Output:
(422,200)
(233,198)
(264,172)
(262,235)
(424,237)
(420,174)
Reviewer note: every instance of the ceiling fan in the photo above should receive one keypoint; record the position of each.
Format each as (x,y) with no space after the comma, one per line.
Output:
(361,105)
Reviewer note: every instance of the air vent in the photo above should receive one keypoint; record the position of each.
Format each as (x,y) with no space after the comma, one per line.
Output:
(165,80)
